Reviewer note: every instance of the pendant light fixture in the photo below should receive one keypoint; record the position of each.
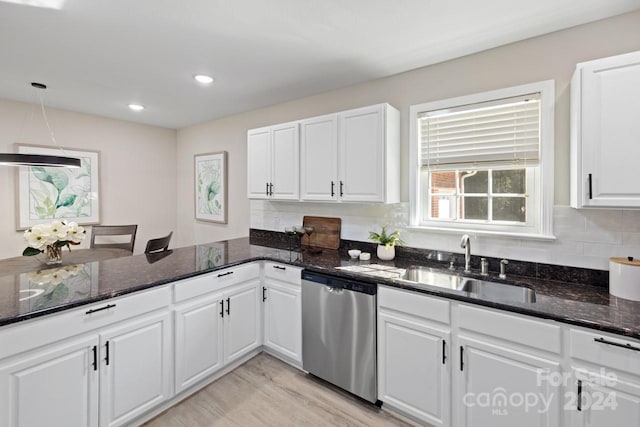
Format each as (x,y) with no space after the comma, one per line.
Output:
(17,159)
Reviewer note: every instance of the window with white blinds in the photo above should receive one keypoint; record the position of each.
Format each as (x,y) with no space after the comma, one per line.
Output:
(484,162)
(494,133)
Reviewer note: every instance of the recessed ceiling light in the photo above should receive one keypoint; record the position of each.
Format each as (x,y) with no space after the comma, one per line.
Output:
(136,107)
(201,78)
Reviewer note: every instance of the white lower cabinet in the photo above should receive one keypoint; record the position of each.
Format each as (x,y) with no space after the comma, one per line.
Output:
(440,362)
(52,386)
(507,368)
(605,384)
(198,340)
(503,386)
(242,321)
(136,368)
(413,368)
(283,319)
(217,321)
(105,377)
(414,355)
(602,400)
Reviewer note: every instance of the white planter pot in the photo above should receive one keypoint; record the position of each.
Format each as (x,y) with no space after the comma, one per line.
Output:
(386,253)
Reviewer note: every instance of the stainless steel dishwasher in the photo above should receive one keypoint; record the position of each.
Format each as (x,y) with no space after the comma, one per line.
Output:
(339,332)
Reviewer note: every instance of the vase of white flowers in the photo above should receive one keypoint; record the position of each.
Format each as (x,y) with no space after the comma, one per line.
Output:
(51,238)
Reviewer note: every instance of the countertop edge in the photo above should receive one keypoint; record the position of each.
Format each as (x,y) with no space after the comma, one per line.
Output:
(433,291)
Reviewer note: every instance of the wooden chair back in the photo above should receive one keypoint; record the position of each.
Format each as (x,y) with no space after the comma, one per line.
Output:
(159,244)
(114,230)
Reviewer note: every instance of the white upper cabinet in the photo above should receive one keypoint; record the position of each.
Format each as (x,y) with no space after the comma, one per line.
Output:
(352,156)
(258,163)
(273,162)
(605,132)
(362,155)
(319,153)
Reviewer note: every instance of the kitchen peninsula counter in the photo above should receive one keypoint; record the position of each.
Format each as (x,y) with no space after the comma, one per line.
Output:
(37,293)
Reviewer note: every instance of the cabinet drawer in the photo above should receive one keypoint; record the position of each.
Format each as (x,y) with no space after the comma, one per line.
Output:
(283,272)
(414,303)
(214,281)
(519,329)
(55,327)
(588,346)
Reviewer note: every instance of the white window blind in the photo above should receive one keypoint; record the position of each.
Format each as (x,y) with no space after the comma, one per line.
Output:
(495,133)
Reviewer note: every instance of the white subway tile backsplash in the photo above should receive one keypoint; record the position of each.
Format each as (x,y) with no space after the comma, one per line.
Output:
(631,239)
(594,235)
(606,251)
(567,219)
(604,220)
(630,221)
(585,238)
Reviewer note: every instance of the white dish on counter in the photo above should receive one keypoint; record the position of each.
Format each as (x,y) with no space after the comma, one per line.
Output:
(354,253)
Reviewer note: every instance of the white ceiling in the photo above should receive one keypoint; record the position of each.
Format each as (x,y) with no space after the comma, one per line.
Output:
(97,56)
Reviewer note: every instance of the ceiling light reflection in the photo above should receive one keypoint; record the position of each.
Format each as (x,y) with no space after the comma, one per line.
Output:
(47,4)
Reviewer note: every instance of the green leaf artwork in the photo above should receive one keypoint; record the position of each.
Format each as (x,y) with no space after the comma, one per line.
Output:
(58,193)
(209,182)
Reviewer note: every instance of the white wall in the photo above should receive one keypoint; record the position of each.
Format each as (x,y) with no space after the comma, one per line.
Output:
(224,135)
(138,162)
(585,239)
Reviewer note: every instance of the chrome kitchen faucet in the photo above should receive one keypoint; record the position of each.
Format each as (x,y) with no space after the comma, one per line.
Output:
(466,244)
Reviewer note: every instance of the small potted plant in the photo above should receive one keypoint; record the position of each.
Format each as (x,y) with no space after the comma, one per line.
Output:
(387,243)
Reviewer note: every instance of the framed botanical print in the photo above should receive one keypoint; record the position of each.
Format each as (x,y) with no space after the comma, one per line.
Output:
(210,171)
(48,193)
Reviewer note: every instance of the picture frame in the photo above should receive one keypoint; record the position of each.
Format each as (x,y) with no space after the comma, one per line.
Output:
(210,184)
(49,193)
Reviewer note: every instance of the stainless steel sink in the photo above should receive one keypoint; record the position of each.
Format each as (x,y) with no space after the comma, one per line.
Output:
(482,288)
(429,276)
(498,291)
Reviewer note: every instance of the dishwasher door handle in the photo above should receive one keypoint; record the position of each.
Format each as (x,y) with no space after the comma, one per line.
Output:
(335,291)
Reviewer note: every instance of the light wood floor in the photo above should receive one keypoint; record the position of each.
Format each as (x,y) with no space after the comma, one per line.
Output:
(267,392)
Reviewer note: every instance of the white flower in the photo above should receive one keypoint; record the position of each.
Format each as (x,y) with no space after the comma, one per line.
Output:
(42,235)
(75,233)
(39,236)
(59,229)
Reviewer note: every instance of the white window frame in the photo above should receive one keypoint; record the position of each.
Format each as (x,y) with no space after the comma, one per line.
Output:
(542,219)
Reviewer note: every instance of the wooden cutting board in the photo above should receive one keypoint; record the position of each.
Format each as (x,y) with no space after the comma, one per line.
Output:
(326,232)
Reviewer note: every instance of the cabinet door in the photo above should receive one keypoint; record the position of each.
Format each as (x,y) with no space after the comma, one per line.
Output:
(319,158)
(198,340)
(242,321)
(611,131)
(285,175)
(283,319)
(499,386)
(413,372)
(136,369)
(603,401)
(361,160)
(53,386)
(258,163)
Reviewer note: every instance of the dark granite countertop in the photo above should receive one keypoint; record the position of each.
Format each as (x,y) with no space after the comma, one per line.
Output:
(28,295)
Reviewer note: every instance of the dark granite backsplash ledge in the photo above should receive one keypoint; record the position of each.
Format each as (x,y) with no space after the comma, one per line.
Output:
(536,270)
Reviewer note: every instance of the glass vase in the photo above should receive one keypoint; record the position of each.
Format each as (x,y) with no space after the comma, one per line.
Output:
(53,255)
